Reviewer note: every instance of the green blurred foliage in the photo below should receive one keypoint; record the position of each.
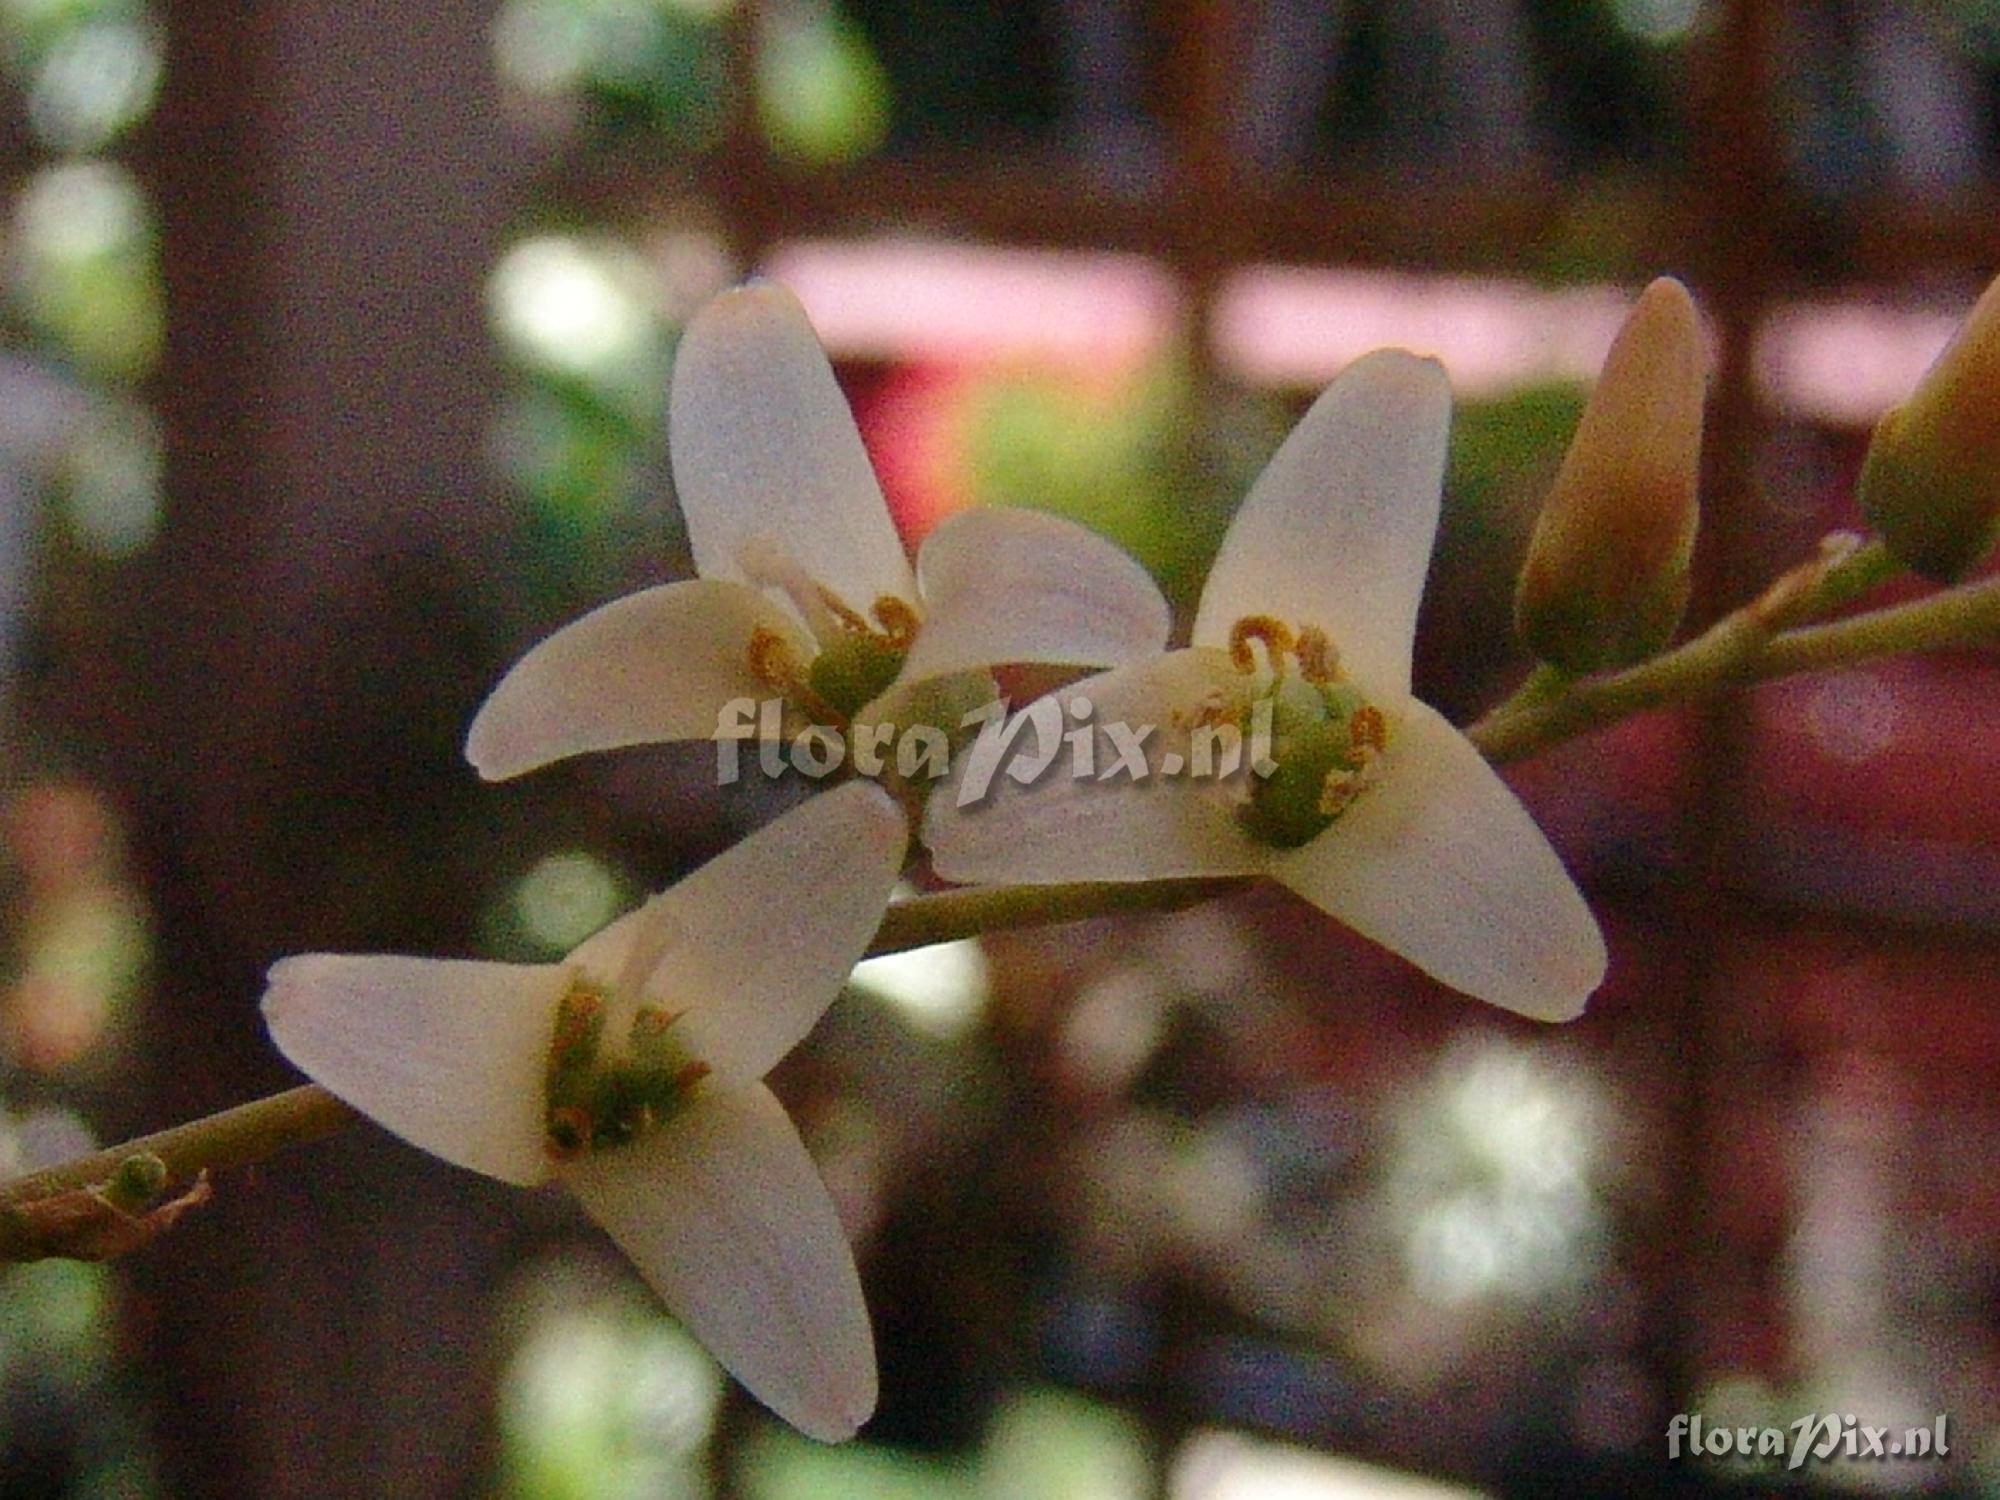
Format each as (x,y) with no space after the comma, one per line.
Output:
(109,482)
(1056,1445)
(822,96)
(1504,456)
(55,1314)
(1504,453)
(1042,1444)
(575,461)
(966,71)
(1610,72)
(539,913)
(779,1465)
(661,67)
(580,438)
(83,270)
(1975,25)
(626,65)
(1155,463)
(64,1420)
(89,69)
(604,1399)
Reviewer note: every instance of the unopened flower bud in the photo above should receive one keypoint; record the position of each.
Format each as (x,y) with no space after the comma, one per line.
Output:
(1931,482)
(137,1181)
(1606,576)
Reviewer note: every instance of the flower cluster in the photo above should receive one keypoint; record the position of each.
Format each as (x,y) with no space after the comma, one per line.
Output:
(629,1072)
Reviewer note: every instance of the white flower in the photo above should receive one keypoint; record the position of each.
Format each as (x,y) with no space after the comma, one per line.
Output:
(1378,811)
(629,1072)
(805,592)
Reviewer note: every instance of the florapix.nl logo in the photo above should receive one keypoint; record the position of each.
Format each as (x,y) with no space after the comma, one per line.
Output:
(1058,734)
(1817,1437)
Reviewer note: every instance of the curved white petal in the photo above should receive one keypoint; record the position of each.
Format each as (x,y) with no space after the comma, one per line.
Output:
(751,948)
(1337,531)
(981,825)
(763,444)
(1439,862)
(725,1216)
(451,1055)
(660,664)
(1005,585)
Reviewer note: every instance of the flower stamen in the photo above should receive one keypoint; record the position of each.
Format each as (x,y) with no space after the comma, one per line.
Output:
(773,665)
(1368,730)
(850,619)
(1271,633)
(1326,740)
(1214,709)
(595,1102)
(857,663)
(650,1026)
(857,660)
(771,660)
(1342,786)
(569,1133)
(1319,663)
(579,1031)
(768,563)
(898,621)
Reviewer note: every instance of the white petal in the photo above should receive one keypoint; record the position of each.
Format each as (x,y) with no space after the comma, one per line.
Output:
(1065,827)
(725,1216)
(660,664)
(1007,585)
(763,444)
(1440,862)
(450,1055)
(755,944)
(1337,531)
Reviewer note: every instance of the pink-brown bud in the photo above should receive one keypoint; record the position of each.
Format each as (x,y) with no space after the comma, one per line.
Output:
(1606,575)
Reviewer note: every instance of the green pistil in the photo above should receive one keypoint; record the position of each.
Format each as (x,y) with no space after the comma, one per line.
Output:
(1321,753)
(595,1102)
(628,1101)
(853,670)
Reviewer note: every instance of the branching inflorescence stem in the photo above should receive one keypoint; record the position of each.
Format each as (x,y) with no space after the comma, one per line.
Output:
(1781,633)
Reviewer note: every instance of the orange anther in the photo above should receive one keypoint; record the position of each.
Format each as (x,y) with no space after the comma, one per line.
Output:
(771,661)
(1318,661)
(1338,790)
(1368,730)
(651,1021)
(839,609)
(1277,640)
(691,1074)
(898,621)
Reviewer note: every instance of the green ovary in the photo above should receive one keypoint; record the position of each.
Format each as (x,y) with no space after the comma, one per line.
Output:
(1324,738)
(628,1100)
(853,670)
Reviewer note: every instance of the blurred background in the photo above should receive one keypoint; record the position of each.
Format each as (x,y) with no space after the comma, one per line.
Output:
(333,349)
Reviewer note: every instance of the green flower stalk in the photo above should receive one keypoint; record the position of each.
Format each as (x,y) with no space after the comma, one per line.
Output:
(1606,576)
(1931,482)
